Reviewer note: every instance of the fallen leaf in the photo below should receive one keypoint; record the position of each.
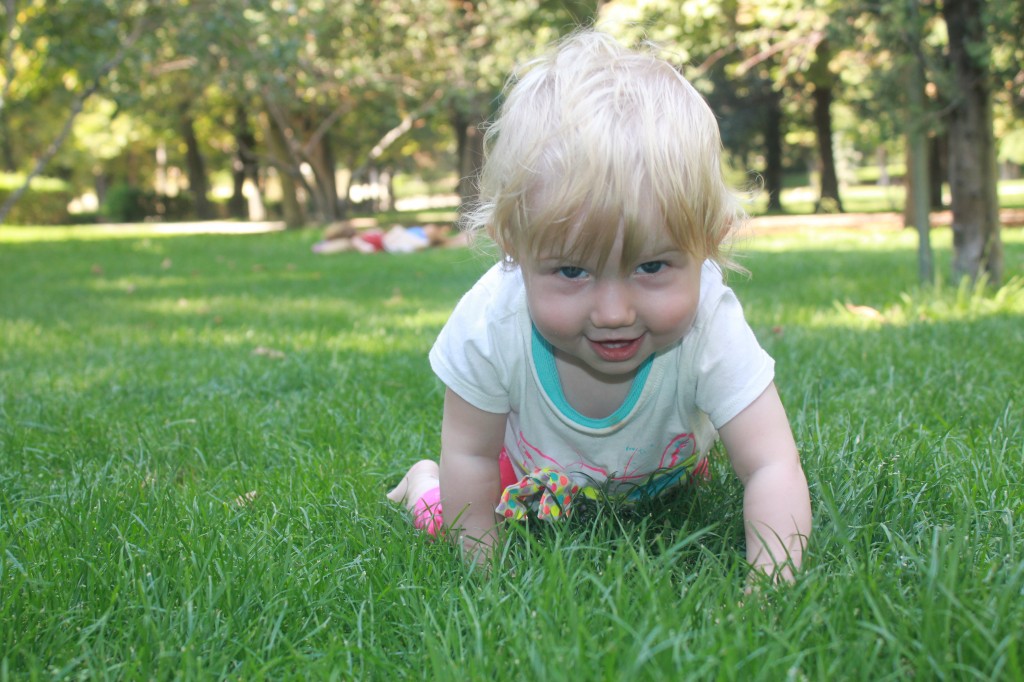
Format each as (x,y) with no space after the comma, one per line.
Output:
(865,311)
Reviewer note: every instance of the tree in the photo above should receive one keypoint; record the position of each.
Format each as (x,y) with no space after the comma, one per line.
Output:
(83,68)
(797,44)
(888,89)
(486,43)
(977,243)
(701,38)
(823,79)
(918,199)
(306,89)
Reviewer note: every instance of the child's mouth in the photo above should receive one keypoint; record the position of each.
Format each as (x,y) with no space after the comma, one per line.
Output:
(617,350)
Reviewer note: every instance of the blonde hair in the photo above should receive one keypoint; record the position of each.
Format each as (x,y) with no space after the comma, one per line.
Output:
(593,136)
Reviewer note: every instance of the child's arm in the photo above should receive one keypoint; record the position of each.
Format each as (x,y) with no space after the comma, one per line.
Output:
(776,502)
(471,440)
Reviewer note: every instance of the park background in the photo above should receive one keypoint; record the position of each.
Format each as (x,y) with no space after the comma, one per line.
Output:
(196,429)
(310,111)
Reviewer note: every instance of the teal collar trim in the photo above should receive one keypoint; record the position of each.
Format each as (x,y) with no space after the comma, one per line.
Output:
(547,372)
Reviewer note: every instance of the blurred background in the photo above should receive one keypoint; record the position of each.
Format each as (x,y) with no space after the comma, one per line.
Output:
(312,112)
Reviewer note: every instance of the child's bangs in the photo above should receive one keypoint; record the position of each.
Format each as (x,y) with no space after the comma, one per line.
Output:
(591,221)
(562,225)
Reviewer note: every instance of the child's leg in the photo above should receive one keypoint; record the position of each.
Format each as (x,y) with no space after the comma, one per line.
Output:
(421,477)
(420,492)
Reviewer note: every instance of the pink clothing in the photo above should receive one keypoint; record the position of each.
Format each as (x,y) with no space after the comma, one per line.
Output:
(427,513)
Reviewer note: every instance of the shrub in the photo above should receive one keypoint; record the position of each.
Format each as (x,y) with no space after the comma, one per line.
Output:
(128,204)
(38,206)
(178,207)
(125,203)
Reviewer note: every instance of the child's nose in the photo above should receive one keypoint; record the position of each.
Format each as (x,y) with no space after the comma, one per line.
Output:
(613,307)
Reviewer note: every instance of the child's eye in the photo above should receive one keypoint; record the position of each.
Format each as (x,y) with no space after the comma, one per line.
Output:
(571,272)
(651,267)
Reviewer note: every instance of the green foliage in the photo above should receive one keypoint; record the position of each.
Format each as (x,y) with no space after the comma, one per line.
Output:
(13,181)
(870,175)
(359,70)
(44,203)
(1011,147)
(968,301)
(126,204)
(196,433)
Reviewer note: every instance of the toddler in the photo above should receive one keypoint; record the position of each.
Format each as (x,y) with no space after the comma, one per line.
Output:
(604,351)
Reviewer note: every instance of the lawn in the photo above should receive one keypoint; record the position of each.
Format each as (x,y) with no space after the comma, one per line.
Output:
(196,434)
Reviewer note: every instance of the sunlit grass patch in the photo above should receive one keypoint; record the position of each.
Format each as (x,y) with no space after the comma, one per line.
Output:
(966,301)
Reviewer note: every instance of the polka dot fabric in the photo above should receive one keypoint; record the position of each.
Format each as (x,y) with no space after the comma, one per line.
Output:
(546,492)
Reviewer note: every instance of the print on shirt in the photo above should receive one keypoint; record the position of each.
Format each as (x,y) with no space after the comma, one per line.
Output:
(678,461)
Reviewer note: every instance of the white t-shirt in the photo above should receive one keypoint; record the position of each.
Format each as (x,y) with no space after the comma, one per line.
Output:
(491,356)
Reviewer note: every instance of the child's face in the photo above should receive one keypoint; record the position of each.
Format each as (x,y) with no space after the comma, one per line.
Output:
(612,317)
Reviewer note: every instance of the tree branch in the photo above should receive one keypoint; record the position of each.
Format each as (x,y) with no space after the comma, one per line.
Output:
(395,133)
(325,125)
(9,71)
(812,39)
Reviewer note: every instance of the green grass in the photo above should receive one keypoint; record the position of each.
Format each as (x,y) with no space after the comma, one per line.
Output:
(13,181)
(196,433)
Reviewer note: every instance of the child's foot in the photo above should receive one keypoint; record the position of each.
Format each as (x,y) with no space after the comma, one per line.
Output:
(421,477)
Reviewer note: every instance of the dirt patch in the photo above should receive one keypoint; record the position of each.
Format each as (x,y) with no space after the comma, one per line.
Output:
(776,224)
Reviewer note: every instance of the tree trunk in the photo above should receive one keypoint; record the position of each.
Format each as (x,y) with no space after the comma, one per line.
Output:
(829,199)
(882,159)
(321,160)
(196,168)
(6,149)
(823,78)
(100,184)
(977,246)
(470,150)
(244,166)
(936,171)
(238,207)
(917,167)
(773,153)
(290,205)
